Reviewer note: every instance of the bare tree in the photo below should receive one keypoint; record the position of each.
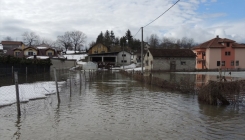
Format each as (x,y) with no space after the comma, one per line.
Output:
(30,39)
(8,38)
(64,40)
(186,43)
(168,43)
(153,40)
(77,39)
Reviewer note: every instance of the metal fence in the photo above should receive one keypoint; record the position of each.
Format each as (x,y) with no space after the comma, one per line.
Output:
(18,90)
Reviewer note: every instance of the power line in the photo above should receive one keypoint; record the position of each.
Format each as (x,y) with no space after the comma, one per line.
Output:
(158,17)
(162,13)
(137,32)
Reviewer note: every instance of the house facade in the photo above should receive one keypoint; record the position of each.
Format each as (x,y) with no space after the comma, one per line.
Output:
(113,58)
(98,48)
(220,53)
(9,45)
(169,60)
(39,52)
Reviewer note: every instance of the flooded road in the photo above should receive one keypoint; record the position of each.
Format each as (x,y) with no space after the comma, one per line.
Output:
(112,106)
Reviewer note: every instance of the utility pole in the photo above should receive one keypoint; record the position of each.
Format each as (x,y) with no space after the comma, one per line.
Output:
(142,44)
(123,55)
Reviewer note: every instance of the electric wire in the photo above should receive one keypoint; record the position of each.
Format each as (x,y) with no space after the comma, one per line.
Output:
(158,16)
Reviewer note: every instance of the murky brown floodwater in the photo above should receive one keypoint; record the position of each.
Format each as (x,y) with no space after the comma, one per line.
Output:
(113,106)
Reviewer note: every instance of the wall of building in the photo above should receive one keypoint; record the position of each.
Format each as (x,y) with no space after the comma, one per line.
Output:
(30,50)
(212,56)
(50,51)
(201,58)
(148,61)
(228,58)
(164,63)
(120,58)
(62,63)
(99,48)
(240,56)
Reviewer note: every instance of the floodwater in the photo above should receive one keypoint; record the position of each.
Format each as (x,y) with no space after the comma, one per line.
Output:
(111,106)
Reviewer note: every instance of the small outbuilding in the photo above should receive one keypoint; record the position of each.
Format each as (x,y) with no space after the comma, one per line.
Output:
(113,58)
(169,60)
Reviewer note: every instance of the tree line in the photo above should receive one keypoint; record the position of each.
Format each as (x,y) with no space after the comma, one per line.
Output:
(75,40)
(108,39)
(72,40)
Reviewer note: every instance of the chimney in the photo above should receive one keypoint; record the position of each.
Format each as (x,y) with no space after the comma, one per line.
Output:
(217,36)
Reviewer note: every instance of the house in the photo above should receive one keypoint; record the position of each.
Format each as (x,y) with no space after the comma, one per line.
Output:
(169,59)
(220,53)
(9,45)
(39,52)
(98,48)
(1,49)
(112,58)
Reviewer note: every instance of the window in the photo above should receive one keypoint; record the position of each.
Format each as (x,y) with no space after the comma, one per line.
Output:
(123,55)
(17,53)
(218,63)
(237,63)
(102,51)
(124,61)
(203,54)
(227,53)
(228,44)
(95,51)
(148,54)
(232,63)
(183,63)
(30,53)
(50,53)
(223,63)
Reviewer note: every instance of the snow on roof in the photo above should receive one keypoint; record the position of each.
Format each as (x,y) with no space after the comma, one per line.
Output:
(75,56)
(1,47)
(42,47)
(73,52)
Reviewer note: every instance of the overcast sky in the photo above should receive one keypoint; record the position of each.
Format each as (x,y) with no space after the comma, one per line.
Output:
(201,20)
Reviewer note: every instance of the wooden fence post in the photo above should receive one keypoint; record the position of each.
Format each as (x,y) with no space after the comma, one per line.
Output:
(17,93)
(56,83)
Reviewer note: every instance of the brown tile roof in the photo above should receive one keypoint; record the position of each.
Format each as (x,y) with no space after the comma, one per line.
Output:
(30,48)
(216,43)
(11,42)
(172,53)
(236,45)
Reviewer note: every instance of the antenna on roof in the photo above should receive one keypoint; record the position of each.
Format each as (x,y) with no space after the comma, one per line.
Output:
(217,36)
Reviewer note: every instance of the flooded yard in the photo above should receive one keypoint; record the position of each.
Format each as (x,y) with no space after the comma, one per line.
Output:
(112,106)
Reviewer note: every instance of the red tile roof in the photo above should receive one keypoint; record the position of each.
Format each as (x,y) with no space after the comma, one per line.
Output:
(217,43)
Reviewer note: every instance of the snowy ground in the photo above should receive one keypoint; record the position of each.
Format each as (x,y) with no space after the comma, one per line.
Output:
(27,92)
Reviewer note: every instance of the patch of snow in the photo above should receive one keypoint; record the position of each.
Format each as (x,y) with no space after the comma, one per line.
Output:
(27,92)
(75,56)
(42,47)
(38,57)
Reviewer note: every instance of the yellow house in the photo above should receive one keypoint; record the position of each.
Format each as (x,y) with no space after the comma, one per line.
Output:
(17,52)
(30,51)
(50,52)
(98,48)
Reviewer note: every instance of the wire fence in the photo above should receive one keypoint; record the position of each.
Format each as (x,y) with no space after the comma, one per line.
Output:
(21,90)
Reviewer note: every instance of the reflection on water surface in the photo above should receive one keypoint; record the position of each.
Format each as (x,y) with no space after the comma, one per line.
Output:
(113,106)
